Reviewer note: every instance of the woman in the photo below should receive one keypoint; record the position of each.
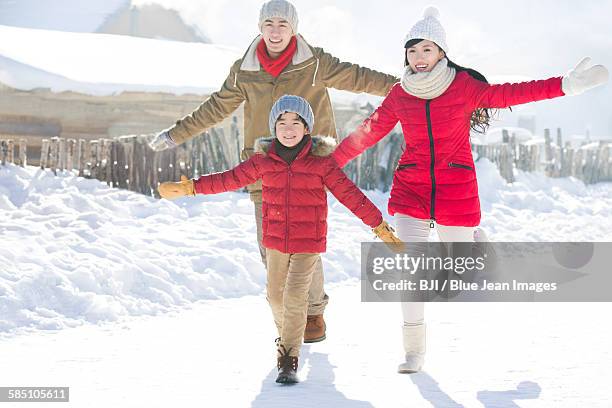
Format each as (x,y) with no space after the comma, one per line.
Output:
(437,102)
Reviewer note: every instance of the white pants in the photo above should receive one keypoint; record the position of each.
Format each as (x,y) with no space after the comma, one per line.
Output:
(410,229)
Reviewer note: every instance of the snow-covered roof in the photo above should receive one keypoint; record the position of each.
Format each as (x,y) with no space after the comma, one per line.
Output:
(103,64)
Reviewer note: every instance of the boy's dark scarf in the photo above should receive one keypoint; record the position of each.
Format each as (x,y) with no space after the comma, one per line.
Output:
(288,154)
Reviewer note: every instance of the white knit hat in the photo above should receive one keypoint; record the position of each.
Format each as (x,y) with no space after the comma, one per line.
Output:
(429,28)
(280,9)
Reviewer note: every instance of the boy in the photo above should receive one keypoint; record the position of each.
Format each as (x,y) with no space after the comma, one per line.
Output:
(295,169)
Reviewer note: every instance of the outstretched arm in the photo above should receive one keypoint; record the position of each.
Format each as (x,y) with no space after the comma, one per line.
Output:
(374,128)
(213,110)
(575,82)
(353,198)
(484,95)
(351,77)
(350,196)
(242,175)
(245,173)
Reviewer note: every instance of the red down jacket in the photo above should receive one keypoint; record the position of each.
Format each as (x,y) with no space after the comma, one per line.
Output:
(435,177)
(294,198)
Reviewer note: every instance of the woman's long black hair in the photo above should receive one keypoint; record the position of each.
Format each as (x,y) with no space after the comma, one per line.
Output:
(480,119)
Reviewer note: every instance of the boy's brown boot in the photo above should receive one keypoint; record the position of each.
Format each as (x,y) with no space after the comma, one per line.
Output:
(287,365)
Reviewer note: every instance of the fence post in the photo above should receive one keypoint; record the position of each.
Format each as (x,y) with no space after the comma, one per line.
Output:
(506,163)
(23,153)
(561,163)
(54,154)
(81,156)
(3,151)
(548,154)
(568,167)
(70,153)
(11,151)
(44,154)
(94,154)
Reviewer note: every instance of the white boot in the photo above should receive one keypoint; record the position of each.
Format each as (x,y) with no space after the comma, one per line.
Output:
(480,235)
(414,345)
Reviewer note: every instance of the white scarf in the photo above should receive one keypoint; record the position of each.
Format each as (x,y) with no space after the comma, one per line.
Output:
(428,85)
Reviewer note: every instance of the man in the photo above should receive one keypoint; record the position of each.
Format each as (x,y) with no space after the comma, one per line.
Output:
(279,61)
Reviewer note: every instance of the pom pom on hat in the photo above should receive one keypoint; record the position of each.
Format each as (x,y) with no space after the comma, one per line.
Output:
(431,11)
(429,28)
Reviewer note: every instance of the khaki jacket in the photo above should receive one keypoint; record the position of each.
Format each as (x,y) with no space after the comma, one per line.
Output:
(309,74)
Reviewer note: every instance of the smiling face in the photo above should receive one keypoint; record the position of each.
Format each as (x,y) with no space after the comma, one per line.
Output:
(424,56)
(276,33)
(290,130)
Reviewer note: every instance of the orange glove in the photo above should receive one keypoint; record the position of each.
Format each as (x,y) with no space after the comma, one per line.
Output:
(171,190)
(387,234)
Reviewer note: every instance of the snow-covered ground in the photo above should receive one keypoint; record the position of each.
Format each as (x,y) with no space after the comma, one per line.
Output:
(221,353)
(133,301)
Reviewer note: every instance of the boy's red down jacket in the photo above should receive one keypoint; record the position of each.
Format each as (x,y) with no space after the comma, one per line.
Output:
(435,177)
(294,198)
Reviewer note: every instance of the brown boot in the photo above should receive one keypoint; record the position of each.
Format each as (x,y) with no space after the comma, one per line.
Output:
(315,329)
(287,365)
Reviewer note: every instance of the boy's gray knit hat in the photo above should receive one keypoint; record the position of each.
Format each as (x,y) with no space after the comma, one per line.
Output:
(281,9)
(291,103)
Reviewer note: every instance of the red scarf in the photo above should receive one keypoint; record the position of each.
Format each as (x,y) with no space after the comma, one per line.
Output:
(275,66)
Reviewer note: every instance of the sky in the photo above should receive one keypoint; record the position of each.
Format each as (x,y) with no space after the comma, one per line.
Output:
(521,39)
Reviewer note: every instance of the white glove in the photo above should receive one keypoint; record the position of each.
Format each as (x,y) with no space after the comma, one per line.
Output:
(161,141)
(582,79)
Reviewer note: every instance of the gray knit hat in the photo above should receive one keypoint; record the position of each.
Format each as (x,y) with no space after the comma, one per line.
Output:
(291,103)
(281,9)
(429,28)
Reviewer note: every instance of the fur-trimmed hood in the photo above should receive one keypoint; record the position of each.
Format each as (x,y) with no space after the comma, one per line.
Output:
(321,145)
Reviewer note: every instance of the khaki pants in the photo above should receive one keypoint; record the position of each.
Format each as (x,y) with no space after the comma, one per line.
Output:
(317,298)
(289,278)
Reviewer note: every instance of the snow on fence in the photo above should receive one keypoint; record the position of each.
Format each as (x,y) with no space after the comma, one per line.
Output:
(127,162)
(590,162)
(7,152)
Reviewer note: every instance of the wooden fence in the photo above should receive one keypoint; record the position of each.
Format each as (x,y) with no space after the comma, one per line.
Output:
(591,162)
(127,162)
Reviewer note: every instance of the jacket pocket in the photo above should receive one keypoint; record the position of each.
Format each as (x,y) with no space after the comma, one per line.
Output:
(460,166)
(405,166)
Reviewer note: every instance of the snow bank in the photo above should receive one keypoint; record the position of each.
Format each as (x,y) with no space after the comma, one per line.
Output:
(74,250)
(539,208)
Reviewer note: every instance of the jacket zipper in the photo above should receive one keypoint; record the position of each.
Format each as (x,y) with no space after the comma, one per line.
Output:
(287,209)
(432,213)
(461,166)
